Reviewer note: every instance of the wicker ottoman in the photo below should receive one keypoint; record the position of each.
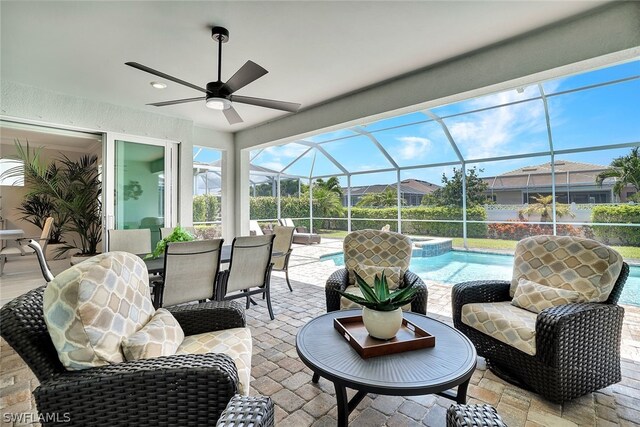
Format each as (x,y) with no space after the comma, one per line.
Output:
(245,411)
(473,416)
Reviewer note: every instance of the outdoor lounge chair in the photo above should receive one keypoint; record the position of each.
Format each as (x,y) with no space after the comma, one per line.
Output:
(301,235)
(566,343)
(191,387)
(371,250)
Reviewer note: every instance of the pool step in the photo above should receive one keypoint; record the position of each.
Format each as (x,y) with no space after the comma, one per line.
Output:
(432,247)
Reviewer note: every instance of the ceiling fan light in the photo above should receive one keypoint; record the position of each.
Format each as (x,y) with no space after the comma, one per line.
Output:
(218,103)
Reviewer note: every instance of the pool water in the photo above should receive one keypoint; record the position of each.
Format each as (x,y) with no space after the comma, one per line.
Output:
(459,266)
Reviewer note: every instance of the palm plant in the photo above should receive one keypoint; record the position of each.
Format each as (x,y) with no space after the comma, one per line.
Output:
(36,208)
(74,188)
(543,206)
(626,170)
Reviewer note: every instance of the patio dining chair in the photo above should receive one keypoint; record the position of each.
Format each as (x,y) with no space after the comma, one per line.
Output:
(556,327)
(22,248)
(249,270)
(190,272)
(134,241)
(282,244)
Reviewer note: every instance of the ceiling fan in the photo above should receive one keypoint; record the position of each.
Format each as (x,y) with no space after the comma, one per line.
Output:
(219,94)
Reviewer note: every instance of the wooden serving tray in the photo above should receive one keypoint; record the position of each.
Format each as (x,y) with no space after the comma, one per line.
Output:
(409,337)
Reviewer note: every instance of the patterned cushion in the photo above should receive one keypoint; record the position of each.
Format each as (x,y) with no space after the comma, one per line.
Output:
(235,343)
(536,297)
(369,272)
(91,307)
(504,322)
(346,304)
(566,262)
(160,337)
(375,247)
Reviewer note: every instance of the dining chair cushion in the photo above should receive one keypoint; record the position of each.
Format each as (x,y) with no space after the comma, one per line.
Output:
(567,262)
(346,304)
(504,322)
(160,337)
(93,306)
(536,297)
(375,247)
(236,343)
(369,272)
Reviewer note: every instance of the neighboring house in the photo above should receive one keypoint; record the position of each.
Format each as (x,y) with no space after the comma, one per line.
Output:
(575,183)
(411,190)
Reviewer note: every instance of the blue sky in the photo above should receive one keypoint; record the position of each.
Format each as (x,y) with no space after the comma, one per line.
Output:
(599,116)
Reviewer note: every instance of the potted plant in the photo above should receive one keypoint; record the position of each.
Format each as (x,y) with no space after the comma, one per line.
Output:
(35,209)
(178,234)
(74,188)
(381,312)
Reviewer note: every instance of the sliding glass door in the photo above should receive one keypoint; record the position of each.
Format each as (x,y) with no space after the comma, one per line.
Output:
(141,179)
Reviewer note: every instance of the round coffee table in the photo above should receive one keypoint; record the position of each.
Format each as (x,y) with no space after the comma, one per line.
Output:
(432,370)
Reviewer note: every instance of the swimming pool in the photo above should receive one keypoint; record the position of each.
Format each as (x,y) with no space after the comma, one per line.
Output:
(459,266)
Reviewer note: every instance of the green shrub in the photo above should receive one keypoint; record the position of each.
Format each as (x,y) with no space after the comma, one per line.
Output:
(206,208)
(622,214)
(376,218)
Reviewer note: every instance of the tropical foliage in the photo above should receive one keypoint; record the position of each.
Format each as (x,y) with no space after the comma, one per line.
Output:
(36,208)
(74,188)
(332,184)
(379,297)
(450,194)
(543,206)
(386,199)
(626,170)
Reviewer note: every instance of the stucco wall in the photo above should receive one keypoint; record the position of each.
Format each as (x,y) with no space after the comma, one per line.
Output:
(30,104)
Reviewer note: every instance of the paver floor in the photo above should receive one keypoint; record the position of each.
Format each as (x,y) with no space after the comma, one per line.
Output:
(278,372)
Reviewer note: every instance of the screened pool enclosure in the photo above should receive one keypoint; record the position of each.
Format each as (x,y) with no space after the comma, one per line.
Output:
(558,157)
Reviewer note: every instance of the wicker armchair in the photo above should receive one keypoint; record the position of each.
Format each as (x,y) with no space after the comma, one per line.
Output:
(189,389)
(358,247)
(577,345)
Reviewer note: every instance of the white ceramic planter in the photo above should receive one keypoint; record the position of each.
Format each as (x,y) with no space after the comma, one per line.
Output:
(383,325)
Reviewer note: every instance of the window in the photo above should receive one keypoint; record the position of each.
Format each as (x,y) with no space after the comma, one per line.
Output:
(207,192)
(7,173)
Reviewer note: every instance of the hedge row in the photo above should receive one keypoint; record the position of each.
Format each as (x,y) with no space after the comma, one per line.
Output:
(293,207)
(206,208)
(621,214)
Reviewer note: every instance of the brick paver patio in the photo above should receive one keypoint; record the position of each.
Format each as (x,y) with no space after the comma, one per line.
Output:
(278,372)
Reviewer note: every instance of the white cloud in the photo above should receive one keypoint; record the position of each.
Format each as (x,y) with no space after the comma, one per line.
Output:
(413,147)
(276,166)
(496,132)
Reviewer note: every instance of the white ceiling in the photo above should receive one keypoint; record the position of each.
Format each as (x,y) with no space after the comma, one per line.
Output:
(314,51)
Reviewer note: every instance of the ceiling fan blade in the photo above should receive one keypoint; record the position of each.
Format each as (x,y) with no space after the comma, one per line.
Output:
(232,116)
(269,103)
(248,73)
(177,101)
(163,75)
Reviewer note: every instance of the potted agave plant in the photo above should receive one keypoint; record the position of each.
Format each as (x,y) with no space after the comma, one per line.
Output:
(381,312)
